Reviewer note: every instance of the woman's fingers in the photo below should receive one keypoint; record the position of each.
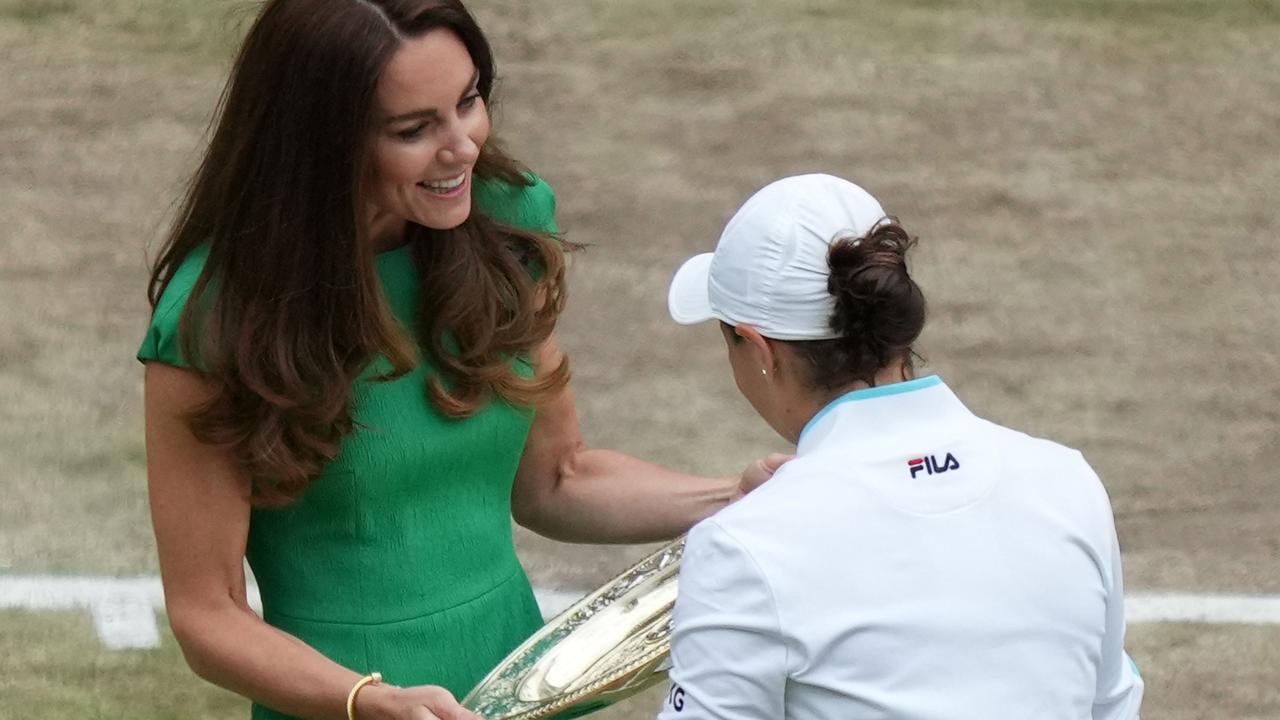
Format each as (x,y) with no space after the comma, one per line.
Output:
(454,711)
(430,702)
(759,472)
(773,461)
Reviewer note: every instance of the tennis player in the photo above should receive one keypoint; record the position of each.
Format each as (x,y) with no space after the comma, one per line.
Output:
(914,561)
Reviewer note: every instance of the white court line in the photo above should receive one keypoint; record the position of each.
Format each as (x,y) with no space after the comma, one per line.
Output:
(1188,607)
(124,609)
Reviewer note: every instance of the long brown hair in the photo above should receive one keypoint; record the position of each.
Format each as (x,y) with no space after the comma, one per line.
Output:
(288,311)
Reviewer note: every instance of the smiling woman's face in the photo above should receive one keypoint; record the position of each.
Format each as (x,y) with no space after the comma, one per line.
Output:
(431,123)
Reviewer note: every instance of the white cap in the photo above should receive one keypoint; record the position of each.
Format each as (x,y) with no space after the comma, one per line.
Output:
(770,267)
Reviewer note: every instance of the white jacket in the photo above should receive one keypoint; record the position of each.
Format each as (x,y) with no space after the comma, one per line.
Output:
(914,562)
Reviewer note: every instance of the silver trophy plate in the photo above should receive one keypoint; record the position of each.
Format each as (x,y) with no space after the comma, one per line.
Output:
(609,645)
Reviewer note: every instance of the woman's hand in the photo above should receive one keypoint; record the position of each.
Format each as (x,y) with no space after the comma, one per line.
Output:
(759,472)
(422,702)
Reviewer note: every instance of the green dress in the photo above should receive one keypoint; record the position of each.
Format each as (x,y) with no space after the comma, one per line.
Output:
(399,558)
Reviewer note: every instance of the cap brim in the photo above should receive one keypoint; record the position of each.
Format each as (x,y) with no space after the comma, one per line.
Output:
(688,299)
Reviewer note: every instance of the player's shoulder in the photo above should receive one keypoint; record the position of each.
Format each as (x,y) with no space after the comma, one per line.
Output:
(756,522)
(789,487)
(1020,445)
(1055,471)
(725,557)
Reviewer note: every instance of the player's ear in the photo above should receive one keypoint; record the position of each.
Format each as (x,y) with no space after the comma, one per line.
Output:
(760,347)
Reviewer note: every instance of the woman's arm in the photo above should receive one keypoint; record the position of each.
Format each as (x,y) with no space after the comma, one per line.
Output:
(200,511)
(567,491)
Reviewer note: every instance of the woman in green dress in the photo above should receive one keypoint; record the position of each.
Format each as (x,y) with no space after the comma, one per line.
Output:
(352,378)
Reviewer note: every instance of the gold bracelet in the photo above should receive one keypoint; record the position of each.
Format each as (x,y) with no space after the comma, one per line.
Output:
(370,679)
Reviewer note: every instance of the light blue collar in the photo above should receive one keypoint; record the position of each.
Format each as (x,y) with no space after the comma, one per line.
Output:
(869,393)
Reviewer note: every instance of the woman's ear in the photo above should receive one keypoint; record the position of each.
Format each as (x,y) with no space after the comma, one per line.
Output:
(760,347)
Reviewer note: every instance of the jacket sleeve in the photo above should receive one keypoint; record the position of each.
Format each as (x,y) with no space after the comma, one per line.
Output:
(728,655)
(1119,691)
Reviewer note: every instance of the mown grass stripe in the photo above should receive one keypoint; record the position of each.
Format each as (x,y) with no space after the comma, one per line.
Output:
(124,609)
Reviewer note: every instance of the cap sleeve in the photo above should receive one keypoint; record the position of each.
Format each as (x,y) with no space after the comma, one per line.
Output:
(162,342)
(531,207)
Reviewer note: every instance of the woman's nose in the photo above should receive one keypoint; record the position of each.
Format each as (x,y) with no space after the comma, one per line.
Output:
(459,150)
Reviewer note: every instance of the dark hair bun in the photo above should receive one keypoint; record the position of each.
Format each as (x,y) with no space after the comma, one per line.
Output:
(880,310)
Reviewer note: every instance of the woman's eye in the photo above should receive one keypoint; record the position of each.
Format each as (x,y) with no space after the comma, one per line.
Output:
(412,133)
(469,101)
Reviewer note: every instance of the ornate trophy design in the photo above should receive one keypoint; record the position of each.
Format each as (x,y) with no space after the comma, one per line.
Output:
(609,645)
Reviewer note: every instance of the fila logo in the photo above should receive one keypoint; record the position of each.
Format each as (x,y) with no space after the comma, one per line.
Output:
(932,464)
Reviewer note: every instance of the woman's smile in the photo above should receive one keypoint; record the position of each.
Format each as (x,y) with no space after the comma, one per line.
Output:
(449,188)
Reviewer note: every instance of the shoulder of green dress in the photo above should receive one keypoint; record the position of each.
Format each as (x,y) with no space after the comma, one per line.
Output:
(531,206)
(161,342)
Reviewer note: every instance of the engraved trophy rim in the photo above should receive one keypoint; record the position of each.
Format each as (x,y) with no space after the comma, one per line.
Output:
(622,653)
